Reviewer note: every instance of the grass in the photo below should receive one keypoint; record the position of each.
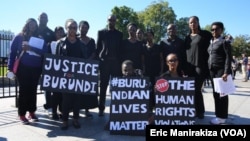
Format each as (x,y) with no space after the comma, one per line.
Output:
(3,71)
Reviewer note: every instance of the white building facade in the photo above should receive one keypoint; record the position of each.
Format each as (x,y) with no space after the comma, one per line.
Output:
(5,41)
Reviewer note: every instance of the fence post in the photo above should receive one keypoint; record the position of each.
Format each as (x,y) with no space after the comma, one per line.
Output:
(17,95)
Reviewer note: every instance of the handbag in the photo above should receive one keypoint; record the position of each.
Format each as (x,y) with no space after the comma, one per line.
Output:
(16,63)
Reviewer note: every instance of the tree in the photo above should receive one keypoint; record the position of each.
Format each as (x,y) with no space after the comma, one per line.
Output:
(241,44)
(124,16)
(156,17)
(182,27)
(207,27)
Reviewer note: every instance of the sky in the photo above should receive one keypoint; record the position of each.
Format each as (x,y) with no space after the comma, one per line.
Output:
(233,13)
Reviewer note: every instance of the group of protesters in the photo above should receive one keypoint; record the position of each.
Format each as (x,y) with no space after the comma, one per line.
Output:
(201,55)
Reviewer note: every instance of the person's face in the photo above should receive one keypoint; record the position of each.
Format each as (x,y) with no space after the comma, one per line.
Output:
(32,26)
(43,19)
(149,36)
(127,70)
(171,31)
(172,62)
(193,23)
(60,33)
(216,31)
(132,30)
(71,28)
(111,21)
(84,29)
(139,35)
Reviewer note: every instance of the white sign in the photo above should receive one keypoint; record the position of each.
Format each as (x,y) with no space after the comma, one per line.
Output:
(36,42)
(224,87)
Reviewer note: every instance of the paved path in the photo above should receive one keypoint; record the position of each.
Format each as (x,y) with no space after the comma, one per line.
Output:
(93,129)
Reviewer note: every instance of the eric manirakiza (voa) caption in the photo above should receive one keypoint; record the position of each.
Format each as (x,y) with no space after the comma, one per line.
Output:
(222,132)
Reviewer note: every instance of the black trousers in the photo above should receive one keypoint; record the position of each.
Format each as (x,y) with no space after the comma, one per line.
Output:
(108,68)
(152,94)
(56,102)
(70,101)
(28,79)
(221,103)
(199,76)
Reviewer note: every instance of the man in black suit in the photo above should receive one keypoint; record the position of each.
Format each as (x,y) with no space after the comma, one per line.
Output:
(108,50)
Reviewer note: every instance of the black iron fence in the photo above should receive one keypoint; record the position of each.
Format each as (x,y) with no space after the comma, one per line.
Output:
(8,87)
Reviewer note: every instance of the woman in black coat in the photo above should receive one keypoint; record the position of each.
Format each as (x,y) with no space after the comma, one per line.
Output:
(219,64)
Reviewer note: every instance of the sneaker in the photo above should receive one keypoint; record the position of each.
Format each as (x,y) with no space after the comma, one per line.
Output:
(218,121)
(24,120)
(33,117)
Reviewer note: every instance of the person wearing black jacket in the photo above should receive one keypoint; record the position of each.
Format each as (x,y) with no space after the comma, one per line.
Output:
(196,43)
(48,35)
(109,41)
(89,47)
(70,46)
(174,44)
(219,63)
(56,97)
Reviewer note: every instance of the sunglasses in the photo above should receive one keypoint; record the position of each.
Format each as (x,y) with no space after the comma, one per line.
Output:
(172,60)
